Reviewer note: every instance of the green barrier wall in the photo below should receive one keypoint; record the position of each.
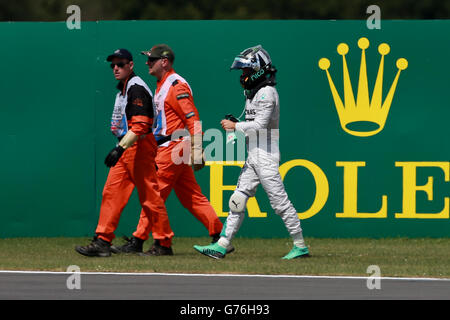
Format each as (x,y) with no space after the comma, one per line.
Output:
(58,93)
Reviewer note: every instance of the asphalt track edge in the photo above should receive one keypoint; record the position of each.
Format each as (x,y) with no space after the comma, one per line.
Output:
(224,275)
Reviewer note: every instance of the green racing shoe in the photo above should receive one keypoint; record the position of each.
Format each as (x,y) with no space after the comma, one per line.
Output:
(213,250)
(297,252)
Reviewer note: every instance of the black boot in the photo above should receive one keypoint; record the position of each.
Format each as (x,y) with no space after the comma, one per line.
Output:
(158,250)
(215,237)
(97,248)
(133,245)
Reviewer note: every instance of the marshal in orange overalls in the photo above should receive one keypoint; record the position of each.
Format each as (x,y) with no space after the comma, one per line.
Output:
(136,167)
(176,110)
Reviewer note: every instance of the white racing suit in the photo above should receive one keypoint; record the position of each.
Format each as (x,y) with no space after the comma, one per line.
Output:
(261,129)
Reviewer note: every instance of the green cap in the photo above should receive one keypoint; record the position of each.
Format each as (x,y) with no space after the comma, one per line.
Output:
(160,51)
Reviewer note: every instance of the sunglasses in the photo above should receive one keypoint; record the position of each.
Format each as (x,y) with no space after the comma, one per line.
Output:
(119,64)
(152,60)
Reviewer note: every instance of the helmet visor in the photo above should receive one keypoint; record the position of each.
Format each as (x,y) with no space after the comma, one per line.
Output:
(241,63)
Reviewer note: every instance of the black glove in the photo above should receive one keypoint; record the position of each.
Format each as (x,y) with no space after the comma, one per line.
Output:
(114,156)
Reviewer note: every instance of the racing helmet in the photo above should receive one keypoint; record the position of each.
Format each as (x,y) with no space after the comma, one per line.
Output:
(259,63)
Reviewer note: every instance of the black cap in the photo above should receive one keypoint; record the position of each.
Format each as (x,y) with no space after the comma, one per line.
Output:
(121,53)
(160,51)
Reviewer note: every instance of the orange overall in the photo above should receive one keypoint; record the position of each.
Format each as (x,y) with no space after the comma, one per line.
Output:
(179,112)
(135,168)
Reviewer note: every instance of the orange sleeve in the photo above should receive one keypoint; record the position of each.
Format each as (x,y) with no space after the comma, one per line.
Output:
(141,125)
(183,104)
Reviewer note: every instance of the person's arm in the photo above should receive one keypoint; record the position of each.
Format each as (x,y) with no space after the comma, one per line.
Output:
(184,107)
(186,110)
(139,112)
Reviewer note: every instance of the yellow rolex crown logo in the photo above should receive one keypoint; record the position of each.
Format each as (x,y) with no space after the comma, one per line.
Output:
(364,117)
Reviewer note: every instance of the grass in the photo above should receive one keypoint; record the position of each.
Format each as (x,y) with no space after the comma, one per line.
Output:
(397,257)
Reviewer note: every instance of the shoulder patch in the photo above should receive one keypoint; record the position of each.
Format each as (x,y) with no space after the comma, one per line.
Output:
(182,96)
(138,102)
(190,114)
(265,93)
